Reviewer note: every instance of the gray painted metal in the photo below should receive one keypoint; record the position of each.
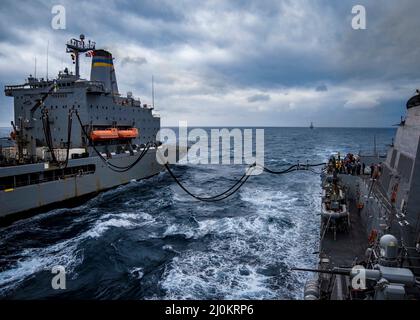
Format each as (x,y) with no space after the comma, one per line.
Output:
(37,195)
(391,205)
(100,106)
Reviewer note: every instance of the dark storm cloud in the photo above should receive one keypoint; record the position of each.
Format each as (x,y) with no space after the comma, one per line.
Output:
(134,60)
(321,88)
(388,48)
(259,97)
(215,54)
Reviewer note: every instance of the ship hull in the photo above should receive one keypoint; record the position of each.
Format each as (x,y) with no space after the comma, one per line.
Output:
(78,186)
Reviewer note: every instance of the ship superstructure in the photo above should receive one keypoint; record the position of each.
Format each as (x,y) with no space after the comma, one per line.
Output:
(75,137)
(383,234)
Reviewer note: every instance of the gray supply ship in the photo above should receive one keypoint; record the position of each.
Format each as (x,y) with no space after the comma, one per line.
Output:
(73,137)
(370,222)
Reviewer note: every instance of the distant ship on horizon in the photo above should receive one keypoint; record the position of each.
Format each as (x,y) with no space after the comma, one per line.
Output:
(311,126)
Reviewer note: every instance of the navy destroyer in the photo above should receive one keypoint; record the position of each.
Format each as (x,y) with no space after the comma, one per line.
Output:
(74,137)
(370,221)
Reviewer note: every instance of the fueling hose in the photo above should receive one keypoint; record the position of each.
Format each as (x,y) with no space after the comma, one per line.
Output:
(222,196)
(47,133)
(219,197)
(241,181)
(48,137)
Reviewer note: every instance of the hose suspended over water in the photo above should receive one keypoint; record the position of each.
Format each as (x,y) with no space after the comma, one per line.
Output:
(295,167)
(241,181)
(219,197)
(224,195)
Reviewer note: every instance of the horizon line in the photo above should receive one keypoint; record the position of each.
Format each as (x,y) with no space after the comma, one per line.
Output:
(267,126)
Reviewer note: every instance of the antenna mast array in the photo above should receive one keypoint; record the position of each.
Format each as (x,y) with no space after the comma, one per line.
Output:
(75,47)
(153,92)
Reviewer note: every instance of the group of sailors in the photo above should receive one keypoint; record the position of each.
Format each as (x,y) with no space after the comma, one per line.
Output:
(349,165)
(352,165)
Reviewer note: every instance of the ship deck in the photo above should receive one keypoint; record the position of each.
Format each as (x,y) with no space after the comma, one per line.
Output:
(348,247)
(346,250)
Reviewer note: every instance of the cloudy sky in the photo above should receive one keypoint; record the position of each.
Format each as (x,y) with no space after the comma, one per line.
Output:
(233,63)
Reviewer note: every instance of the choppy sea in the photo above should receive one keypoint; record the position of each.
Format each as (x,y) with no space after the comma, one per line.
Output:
(149,240)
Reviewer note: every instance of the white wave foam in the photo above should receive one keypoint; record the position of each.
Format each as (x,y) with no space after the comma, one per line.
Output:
(66,253)
(192,277)
(138,273)
(242,257)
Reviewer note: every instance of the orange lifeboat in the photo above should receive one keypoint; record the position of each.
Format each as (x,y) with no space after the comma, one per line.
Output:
(107,134)
(128,133)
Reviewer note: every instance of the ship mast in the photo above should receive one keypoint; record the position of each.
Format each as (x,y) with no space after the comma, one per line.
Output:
(75,47)
(153,93)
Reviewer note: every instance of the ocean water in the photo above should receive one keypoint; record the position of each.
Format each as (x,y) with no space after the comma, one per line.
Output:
(149,240)
(4,132)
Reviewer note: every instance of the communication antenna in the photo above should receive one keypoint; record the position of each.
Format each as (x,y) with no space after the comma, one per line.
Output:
(48,48)
(153,92)
(35,68)
(77,46)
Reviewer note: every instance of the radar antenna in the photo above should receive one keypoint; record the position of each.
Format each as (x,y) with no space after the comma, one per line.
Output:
(75,47)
